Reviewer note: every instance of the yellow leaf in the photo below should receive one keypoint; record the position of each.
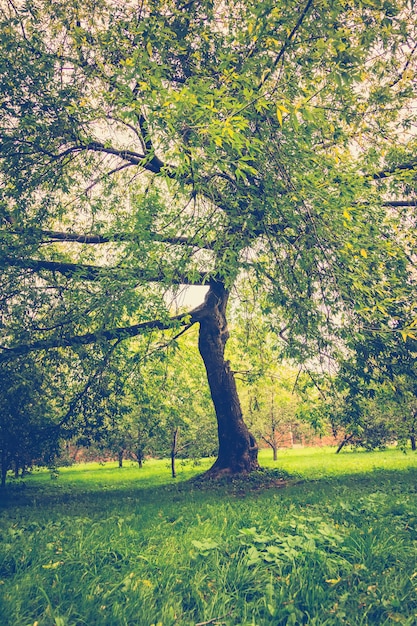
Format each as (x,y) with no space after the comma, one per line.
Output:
(53,565)
(404,334)
(333,581)
(396,617)
(364,253)
(279,116)
(282,108)
(347,215)
(149,48)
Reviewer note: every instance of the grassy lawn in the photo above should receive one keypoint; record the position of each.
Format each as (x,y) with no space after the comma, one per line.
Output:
(109,546)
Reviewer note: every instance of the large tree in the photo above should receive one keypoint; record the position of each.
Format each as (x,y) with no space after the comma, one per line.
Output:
(149,146)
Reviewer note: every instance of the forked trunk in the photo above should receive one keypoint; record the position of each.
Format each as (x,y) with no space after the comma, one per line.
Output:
(238,451)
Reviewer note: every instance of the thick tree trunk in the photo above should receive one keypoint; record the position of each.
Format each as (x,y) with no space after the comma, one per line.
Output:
(120,458)
(413,442)
(238,451)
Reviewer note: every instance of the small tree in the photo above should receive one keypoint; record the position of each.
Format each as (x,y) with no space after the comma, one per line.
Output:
(29,432)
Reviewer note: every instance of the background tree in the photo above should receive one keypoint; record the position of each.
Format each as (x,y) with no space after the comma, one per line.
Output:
(133,407)
(376,389)
(272,413)
(29,431)
(147,148)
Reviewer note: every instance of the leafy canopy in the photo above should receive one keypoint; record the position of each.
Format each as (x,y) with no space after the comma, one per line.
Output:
(147,147)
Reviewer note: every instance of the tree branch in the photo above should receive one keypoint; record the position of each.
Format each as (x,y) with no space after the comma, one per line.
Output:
(410,166)
(54,235)
(287,41)
(93,272)
(400,203)
(184,319)
(401,74)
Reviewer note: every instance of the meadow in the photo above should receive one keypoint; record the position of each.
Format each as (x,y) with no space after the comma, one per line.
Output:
(317,539)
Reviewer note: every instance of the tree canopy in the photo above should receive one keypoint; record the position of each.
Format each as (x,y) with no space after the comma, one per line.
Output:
(148,147)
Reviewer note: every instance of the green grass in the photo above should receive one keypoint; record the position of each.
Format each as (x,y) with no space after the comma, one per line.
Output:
(105,546)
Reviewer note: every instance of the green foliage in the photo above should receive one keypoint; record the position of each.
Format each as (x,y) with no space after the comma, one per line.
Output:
(262,143)
(372,397)
(29,432)
(133,405)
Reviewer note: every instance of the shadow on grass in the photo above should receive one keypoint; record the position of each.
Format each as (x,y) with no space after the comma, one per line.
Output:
(24,494)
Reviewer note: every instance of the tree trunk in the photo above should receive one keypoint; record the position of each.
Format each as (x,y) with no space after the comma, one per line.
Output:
(413,442)
(273,445)
(3,470)
(120,458)
(238,451)
(174,452)
(343,443)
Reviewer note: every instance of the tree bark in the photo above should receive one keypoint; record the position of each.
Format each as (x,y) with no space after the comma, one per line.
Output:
(174,452)
(238,451)
(3,470)
(274,447)
(120,458)
(413,442)
(343,443)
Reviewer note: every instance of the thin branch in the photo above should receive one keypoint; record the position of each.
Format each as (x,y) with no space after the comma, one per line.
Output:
(288,41)
(401,74)
(119,334)
(115,170)
(400,203)
(214,619)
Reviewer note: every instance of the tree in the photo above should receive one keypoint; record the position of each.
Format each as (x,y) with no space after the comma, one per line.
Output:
(272,413)
(147,148)
(29,432)
(374,399)
(121,411)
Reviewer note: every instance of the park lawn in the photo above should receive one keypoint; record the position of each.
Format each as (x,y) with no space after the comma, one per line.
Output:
(109,546)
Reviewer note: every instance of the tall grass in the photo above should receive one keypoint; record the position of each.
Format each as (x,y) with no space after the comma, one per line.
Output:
(105,546)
